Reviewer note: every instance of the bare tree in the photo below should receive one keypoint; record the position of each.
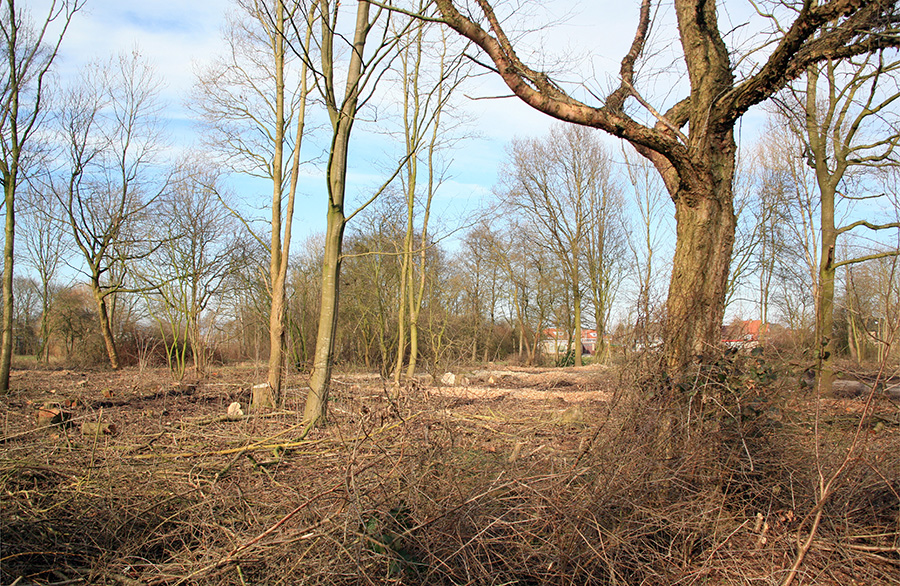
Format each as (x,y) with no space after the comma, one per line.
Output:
(847,124)
(370,282)
(771,187)
(257,123)
(304,299)
(373,44)
(872,297)
(790,201)
(604,249)
(424,103)
(108,180)
(47,246)
(27,310)
(509,248)
(22,99)
(648,195)
(199,251)
(692,142)
(480,269)
(559,184)
(248,302)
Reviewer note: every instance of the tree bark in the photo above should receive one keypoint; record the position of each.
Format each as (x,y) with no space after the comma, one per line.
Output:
(579,350)
(319,382)
(342,117)
(825,302)
(6,340)
(705,224)
(109,339)
(28,59)
(272,397)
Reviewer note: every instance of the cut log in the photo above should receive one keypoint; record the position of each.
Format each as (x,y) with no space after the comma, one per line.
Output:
(848,389)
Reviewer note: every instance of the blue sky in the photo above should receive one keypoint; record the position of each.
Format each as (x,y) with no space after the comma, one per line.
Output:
(584,43)
(180,37)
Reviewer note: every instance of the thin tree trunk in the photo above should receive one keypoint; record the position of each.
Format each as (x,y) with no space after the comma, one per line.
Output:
(319,382)
(855,338)
(271,397)
(342,118)
(413,349)
(578,335)
(280,252)
(6,340)
(401,312)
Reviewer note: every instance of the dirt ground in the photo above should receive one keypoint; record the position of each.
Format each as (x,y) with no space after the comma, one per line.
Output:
(495,477)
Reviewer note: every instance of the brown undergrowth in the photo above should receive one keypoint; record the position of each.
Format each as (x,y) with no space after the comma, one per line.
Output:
(438,488)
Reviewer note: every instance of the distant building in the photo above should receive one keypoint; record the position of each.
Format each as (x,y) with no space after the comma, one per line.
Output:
(743,334)
(556,341)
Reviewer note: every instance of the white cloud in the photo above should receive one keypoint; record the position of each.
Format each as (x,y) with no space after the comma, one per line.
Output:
(171,35)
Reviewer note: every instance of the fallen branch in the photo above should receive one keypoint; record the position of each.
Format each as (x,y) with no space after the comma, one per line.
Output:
(826,488)
(43,428)
(261,445)
(236,551)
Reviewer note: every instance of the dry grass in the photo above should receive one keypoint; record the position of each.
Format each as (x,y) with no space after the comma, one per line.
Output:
(440,488)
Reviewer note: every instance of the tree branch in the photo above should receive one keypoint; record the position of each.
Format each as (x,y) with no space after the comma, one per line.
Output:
(868,225)
(859,259)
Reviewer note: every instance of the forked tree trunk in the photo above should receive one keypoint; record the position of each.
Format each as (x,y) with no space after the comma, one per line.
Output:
(279,264)
(705,225)
(697,166)
(342,117)
(270,395)
(106,330)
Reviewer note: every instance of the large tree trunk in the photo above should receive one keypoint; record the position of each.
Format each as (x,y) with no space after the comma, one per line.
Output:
(705,227)
(697,167)
(699,279)
(827,179)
